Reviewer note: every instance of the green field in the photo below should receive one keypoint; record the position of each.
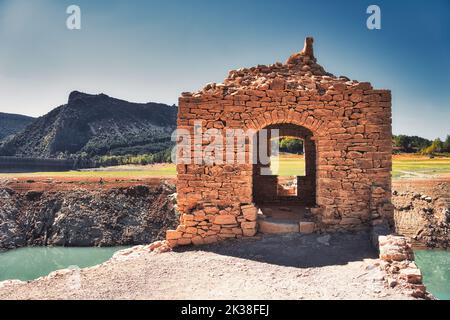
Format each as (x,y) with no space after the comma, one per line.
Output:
(403,167)
(420,167)
(289,165)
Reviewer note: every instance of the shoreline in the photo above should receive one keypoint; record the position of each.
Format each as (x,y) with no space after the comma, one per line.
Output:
(23,186)
(346,258)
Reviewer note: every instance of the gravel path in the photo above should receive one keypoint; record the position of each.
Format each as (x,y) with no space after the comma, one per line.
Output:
(274,267)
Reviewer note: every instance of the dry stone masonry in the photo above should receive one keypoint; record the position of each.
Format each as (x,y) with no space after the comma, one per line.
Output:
(397,260)
(346,125)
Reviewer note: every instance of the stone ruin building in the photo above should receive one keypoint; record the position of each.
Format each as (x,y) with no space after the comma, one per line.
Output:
(347,133)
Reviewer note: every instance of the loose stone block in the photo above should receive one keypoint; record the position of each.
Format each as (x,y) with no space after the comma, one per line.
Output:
(191,230)
(225,220)
(249,232)
(173,235)
(198,241)
(248,225)
(184,241)
(250,213)
(411,275)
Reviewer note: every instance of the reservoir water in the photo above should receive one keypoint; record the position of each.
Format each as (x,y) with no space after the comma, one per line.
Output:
(34,262)
(435,267)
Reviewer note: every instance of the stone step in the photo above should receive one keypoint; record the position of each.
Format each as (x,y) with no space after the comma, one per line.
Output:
(269,226)
(293,213)
(276,226)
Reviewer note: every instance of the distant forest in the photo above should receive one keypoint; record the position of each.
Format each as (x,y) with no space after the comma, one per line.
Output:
(401,143)
(415,144)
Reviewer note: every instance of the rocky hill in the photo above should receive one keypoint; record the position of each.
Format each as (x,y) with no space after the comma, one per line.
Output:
(93,125)
(11,124)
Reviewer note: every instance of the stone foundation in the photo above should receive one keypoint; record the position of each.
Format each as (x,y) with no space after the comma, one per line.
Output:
(397,258)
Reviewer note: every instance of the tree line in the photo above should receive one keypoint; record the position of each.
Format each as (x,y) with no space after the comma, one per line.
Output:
(415,144)
(401,143)
(85,161)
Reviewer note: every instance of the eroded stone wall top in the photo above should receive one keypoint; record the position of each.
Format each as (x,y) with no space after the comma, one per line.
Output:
(300,72)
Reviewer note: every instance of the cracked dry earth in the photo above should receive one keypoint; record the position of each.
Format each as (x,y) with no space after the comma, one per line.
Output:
(293,266)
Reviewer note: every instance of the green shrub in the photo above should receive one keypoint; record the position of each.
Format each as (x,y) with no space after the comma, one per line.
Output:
(291,145)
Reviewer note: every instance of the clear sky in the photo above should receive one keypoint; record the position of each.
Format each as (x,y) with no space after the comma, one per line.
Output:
(152,50)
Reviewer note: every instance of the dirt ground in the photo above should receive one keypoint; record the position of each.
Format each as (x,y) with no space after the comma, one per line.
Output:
(340,266)
(72,183)
(437,188)
(422,211)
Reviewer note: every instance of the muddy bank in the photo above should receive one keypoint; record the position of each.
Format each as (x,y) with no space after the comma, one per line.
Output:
(422,211)
(85,216)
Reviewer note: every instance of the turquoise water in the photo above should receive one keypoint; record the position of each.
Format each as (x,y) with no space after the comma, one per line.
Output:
(32,263)
(435,267)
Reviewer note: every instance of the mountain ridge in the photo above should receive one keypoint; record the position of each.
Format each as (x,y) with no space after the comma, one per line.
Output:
(95,125)
(11,124)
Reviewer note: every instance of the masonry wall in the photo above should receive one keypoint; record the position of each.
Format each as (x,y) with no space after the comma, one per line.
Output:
(351,127)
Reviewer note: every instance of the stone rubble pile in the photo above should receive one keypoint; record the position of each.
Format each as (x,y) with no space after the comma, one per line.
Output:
(397,260)
(210,224)
(136,251)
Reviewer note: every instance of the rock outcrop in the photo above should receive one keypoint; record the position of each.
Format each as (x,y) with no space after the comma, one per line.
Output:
(424,217)
(11,124)
(133,215)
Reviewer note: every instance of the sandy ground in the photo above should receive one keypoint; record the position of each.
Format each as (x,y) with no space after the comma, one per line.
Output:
(438,187)
(274,267)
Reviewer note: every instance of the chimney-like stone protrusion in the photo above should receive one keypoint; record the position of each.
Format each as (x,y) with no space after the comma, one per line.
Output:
(308,49)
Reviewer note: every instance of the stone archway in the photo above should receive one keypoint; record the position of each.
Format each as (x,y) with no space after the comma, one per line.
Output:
(285,202)
(265,186)
(351,126)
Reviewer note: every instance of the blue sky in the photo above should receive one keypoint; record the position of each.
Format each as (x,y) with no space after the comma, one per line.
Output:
(152,50)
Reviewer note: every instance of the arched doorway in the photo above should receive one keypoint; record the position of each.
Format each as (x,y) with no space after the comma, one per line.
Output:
(278,193)
(266,186)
